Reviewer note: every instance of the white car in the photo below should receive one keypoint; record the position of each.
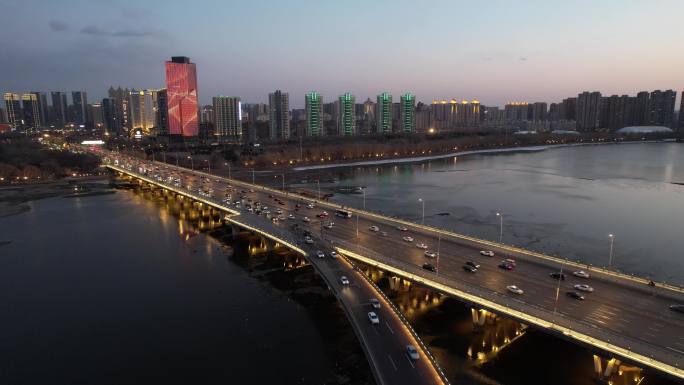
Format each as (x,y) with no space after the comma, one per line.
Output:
(329,225)
(374,229)
(583,287)
(402,228)
(373,318)
(308,240)
(412,352)
(421,245)
(320,254)
(408,239)
(581,274)
(374,302)
(290,216)
(344,280)
(514,289)
(306,219)
(333,254)
(430,254)
(487,253)
(310,206)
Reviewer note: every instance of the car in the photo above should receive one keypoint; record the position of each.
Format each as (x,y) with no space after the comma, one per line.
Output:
(408,239)
(281,203)
(472,264)
(344,280)
(487,253)
(430,254)
(583,287)
(373,318)
(324,213)
(430,267)
(575,295)
(308,240)
(580,274)
(383,233)
(509,261)
(421,245)
(281,217)
(306,219)
(374,229)
(329,225)
(291,216)
(374,302)
(333,254)
(310,206)
(506,266)
(514,289)
(279,211)
(560,276)
(320,254)
(677,308)
(402,228)
(412,352)
(469,268)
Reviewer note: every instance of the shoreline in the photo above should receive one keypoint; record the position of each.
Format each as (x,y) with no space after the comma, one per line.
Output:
(505,150)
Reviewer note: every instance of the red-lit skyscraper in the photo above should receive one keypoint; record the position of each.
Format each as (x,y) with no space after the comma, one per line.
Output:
(181,86)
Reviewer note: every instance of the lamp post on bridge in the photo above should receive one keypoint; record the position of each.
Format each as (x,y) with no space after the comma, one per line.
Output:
(500,226)
(422,221)
(364,197)
(192,163)
(208,164)
(610,255)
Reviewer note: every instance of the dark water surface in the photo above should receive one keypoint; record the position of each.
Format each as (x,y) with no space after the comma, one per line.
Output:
(563,201)
(106,290)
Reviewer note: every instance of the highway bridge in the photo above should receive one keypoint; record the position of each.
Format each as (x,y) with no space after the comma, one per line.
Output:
(623,318)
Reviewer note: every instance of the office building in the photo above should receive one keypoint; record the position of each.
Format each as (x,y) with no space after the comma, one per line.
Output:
(13,110)
(42,108)
(279,115)
(79,100)
(95,114)
(120,97)
(313,104)
(181,88)
(588,109)
(141,111)
(59,109)
(383,113)
(227,118)
(407,107)
(110,117)
(347,116)
(31,111)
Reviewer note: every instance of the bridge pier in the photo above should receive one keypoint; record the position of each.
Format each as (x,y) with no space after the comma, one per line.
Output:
(479,317)
(608,369)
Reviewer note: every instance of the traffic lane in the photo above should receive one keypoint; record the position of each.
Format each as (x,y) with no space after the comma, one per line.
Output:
(386,341)
(541,291)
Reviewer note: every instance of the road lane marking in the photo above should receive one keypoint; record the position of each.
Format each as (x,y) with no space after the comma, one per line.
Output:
(676,350)
(409,360)
(392,362)
(388,327)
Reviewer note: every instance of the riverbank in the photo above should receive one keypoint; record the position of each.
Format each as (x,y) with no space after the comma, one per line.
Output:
(467,152)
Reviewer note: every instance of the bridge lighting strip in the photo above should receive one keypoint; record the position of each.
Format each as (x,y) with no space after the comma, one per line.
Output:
(669,369)
(268,235)
(447,233)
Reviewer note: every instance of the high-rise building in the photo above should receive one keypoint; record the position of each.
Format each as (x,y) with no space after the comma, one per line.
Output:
(14,113)
(516,111)
(42,107)
(539,112)
(95,114)
(279,115)
(407,107)
(110,117)
(588,109)
(661,108)
(641,109)
(161,114)
(120,97)
(383,113)
(181,87)
(59,109)
(79,99)
(313,104)
(681,113)
(227,118)
(31,111)
(347,116)
(568,109)
(3,116)
(207,114)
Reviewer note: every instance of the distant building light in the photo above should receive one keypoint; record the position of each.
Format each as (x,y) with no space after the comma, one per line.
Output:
(92,142)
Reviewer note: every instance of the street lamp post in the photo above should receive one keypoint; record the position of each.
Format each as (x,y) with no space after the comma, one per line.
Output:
(364,198)
(318,183)
(610,255)
(192,163)
(252,175)
(439,241)
(422,221)
(283,182)
(500,226)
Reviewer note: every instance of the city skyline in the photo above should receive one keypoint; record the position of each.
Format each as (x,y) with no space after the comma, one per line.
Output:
(485,56)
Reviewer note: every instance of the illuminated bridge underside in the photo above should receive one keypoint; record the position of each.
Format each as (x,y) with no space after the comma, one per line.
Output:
(627,349)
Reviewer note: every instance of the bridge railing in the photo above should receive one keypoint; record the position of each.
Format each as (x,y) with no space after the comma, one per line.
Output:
(616,274)
(526,312)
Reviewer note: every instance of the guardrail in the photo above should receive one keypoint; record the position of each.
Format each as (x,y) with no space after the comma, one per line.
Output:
(531,314)
(484,242)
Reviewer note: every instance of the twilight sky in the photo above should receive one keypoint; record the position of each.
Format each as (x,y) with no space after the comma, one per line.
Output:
(495,51)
